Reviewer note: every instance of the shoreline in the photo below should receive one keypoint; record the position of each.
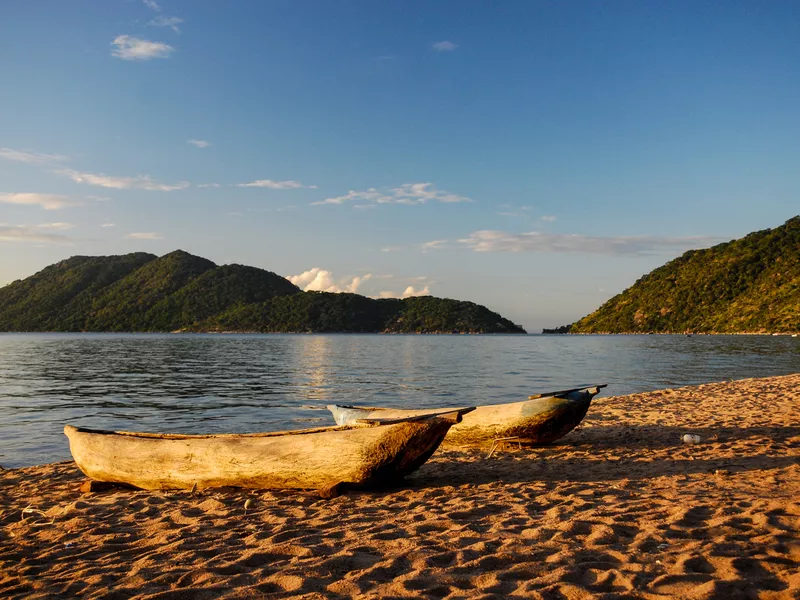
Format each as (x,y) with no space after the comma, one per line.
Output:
(686,334)
(618,507)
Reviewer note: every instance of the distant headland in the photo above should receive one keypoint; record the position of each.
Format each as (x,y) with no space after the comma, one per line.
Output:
(180,292)
(749,285)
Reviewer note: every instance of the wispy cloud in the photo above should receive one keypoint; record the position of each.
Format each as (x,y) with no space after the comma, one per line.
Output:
(33,158)
(199,143)
(408,193)
(444,46)
(145,236)
(548,218)
(151,4)
(132,48)
(108,225)
(434,245)
(391,249)
(208,185)
(276,185)
(139,182)
(519,212)
(320,280)
(56,226)
(23,233)
(534,241)
(164,21)
(46,201)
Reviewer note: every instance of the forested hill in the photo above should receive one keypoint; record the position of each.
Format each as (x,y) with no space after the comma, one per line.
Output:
(749,285)
(182,292)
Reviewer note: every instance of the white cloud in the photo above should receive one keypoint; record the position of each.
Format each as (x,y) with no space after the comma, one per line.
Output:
(171,22)
(108,225)
(408,193)
(208,185)
(140,182)
(352,287)
(434,245)
(34,158)
(145,236)
(391,249)
(549,218)
(320,280)
(46,201)
(275,185)
(518,212)
(199,143)
(534,241)
(56,226)
(22,233)
(444,46)
(409,292)
(131,48)
(151,4)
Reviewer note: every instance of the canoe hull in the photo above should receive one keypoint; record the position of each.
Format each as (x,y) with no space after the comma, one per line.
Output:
(359,455)
(534,422)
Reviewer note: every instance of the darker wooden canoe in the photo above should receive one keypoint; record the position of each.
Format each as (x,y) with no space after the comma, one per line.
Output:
(540,419)
(370,452)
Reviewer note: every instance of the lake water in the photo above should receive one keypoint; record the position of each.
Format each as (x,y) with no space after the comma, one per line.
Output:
(245,383)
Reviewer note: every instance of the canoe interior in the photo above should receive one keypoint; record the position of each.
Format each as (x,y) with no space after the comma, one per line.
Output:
(560,393)
(193,436)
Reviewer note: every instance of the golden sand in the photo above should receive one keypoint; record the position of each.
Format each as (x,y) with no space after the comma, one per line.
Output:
(619,508)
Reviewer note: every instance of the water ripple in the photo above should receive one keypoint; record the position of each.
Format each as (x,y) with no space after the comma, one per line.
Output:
(241,383)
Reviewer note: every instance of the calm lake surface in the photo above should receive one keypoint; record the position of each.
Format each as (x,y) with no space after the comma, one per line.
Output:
(245,383)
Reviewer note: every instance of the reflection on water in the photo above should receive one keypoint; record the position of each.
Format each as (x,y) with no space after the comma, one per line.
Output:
(315,354)
(238,383)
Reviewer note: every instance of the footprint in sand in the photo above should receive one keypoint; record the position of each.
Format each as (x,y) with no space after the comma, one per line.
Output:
(679,586)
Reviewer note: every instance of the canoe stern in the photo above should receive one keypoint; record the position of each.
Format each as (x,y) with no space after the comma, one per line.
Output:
(402,451)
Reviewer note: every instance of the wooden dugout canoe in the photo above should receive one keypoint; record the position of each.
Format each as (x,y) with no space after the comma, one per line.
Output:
(371,452)
(540,419)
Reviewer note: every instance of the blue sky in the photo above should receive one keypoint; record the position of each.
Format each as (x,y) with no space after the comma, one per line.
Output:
(536,157)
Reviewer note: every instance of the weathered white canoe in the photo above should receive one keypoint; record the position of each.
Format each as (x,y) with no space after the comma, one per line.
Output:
(540,419)
(371,452)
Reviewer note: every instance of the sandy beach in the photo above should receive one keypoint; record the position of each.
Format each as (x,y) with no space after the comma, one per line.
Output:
(619,508)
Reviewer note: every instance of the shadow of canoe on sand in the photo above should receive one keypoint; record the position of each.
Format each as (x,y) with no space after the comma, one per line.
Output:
(612,453)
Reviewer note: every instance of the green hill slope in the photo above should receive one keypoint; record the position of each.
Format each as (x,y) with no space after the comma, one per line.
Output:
(59,297)
(178,291)
(426,314)
(308,312)
(217,291)
(749,285)
(124,306)
(326,312)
